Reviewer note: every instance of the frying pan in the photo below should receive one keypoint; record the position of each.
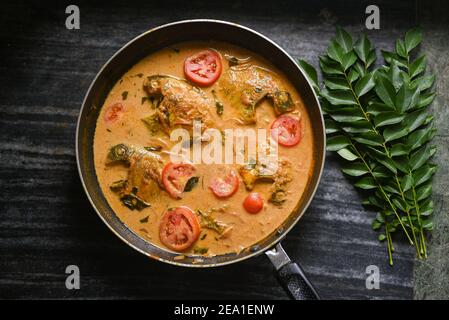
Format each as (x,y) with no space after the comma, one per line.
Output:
(289,274)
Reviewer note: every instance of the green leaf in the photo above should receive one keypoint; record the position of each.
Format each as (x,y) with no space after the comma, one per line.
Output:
(403,98)
(377,108)
(364,84)
(363,48)
(427,225)
(347,114)
(414,120)
(424,192)
(331,126)
(336,143)
(330,70)
(419,137)
(355,169)
(424,173)
(353,75)
(348,60)
(339,98)
(366,183)
(310,71)
(335,51)
(371,58)
(400,203)
(358,126)
(407,182)
(381,172)
(418,66)
(427,208)
(423,83)
(344,39)
(376,225)
(394,75)
(376,201)
(394,132)
(387,118)
(415,99)
(381,237)
(399,149)
(413,38)
(402,164)
(385,91)
(369,138)
(347,154)
(389,57)
(420,157)
(336,84)
(400,48)
(425,100)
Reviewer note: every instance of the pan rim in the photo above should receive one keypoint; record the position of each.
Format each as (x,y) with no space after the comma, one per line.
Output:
(318,166)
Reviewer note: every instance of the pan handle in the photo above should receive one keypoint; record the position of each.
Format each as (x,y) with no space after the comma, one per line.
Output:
(291,276)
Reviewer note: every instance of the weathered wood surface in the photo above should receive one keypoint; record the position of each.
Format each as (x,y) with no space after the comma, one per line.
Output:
(46,221)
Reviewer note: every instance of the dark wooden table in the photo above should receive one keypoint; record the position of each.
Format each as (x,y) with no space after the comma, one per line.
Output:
(46,221)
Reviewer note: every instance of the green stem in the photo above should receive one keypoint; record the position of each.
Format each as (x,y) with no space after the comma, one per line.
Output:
(423,249)
(379,186)
(418,251)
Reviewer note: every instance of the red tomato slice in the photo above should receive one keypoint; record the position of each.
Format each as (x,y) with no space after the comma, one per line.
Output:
(179,228)
(114,112)
(225,187)
(253,203)
(289,131)
(203,68)
(175,177)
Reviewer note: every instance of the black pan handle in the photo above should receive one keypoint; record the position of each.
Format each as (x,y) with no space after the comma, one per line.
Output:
(291,276)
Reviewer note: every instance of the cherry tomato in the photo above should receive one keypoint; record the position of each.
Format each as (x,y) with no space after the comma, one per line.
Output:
(114,112)
(289,131)
(203,68)
(253,203)
(179,228)
(175,177)
(224,187)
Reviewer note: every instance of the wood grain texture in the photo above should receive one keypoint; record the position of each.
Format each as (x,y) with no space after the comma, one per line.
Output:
(47,222)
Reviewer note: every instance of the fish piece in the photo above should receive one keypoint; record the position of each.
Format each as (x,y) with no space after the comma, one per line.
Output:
(180,102)
(247,85)
(253,173)
(145,170)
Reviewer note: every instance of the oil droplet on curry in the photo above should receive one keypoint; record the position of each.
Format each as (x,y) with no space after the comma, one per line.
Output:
(196,208)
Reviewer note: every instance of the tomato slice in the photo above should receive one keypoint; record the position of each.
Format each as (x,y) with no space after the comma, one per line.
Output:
(253,203)
(289,131)
(225,187)
(175,177)
(179,228)
(203,68)
(114,112)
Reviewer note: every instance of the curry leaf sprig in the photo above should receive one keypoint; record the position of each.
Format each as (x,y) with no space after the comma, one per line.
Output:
(377,120)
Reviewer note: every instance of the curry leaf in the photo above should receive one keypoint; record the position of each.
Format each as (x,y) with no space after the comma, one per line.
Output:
(418,66)
(355,169)
(385,91)
(347,154)
(413,38)
(363,48)
(366,183)
(336,143)
(364,84)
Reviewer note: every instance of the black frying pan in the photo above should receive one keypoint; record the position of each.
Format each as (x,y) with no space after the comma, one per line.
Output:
(289,273)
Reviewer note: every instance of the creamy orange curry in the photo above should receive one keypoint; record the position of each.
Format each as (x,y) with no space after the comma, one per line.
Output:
(188,206)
